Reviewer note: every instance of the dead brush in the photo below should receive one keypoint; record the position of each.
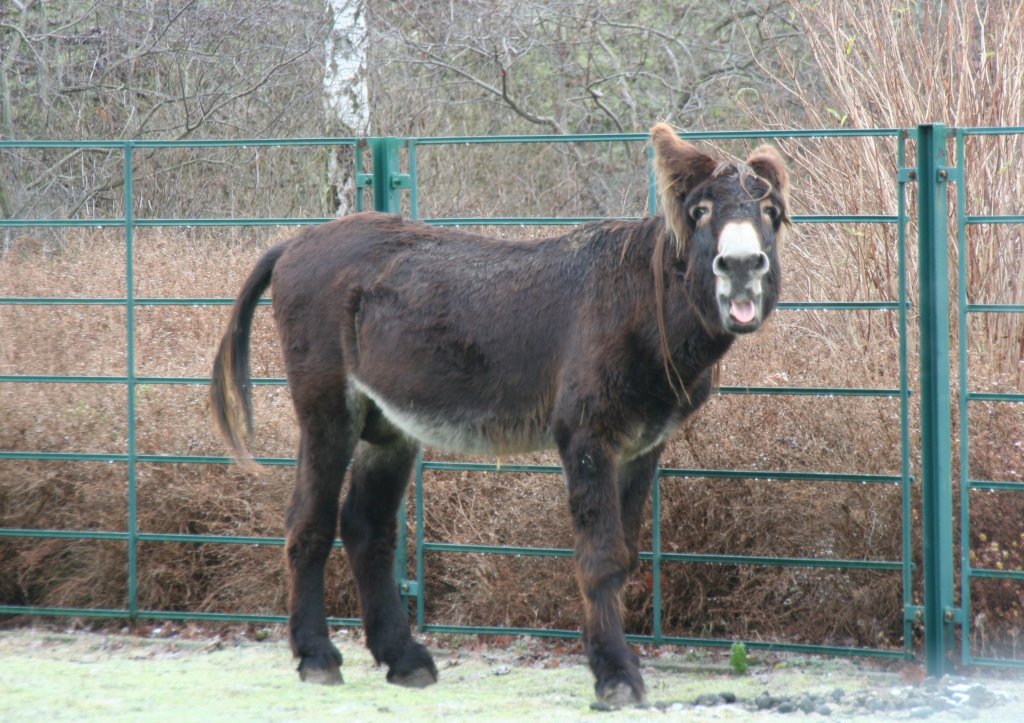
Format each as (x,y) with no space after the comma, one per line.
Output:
(700,515)
(894,67)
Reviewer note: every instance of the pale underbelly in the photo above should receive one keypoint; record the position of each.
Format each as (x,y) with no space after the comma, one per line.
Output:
(466,430)
(499,434)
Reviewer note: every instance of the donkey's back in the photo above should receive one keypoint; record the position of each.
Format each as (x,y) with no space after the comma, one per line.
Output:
(458,340)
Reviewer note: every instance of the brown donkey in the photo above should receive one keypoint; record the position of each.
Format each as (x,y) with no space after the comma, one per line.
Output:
(599,342)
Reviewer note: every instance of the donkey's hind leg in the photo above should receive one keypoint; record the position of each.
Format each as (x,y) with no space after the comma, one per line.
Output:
(327,440)
(380,474)
(635,479)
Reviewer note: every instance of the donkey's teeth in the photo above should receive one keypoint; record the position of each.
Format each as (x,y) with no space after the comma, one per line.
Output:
(743,311)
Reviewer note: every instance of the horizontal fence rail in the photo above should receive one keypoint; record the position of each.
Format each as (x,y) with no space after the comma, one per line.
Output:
(390,184)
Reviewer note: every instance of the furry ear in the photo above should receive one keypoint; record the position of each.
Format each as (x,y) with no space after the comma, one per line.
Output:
(678,168)
(766,162)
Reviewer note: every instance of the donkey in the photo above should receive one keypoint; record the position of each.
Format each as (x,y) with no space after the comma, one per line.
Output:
(599,343)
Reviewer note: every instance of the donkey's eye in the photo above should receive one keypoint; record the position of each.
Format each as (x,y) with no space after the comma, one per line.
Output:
(772,212)
(698,212)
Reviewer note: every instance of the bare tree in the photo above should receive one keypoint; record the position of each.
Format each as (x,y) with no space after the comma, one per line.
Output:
(146,69)
(564,67)
(179,69)
(346,96)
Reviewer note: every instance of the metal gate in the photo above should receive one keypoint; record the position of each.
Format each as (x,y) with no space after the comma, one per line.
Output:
(392,187)
(973,567)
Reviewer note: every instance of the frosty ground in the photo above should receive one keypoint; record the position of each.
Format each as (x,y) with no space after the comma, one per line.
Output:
(51,674)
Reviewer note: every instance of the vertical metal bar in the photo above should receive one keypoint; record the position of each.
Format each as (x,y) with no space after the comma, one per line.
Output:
(357,170)
(401,550)
(387,199)
(386,194)
(905,467)
(421,597)
(129,244)
(936,460)
(965,448)
(414,192)
(652,183)
(656,557)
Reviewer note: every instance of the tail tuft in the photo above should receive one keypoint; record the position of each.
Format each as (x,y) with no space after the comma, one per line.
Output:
(230,386)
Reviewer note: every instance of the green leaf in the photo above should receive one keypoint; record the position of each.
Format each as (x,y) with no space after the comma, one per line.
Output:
(738,658)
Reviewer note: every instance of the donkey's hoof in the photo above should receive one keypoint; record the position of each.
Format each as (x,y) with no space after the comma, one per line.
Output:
(419,678)
(320,676)
(414,668)
(621,695)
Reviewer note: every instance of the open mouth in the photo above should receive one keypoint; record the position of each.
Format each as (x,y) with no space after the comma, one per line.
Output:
(742,312)
(740,316)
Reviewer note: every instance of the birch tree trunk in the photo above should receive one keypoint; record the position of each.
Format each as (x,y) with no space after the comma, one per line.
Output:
(345,97)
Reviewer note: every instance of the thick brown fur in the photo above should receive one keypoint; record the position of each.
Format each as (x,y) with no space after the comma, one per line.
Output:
(598,342)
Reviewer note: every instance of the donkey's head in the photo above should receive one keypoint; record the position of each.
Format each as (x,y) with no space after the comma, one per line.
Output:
(725,220)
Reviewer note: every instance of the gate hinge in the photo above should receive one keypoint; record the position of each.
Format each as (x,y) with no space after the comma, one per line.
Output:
(401,180)
(913,614)
(944,174)
(364,180)
(411,588)
(907,175)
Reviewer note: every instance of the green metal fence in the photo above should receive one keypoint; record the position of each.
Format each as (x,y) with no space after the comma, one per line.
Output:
(966,308)
(131,381)
(391,186)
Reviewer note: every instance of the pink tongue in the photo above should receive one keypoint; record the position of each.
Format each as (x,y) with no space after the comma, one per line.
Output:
(742,311)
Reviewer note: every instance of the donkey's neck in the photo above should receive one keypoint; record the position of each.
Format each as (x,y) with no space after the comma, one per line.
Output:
(693,348)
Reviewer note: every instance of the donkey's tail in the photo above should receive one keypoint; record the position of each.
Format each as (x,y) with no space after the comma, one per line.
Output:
(230,388)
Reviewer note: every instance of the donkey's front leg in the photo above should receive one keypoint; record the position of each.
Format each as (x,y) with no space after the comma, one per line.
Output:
(602,563)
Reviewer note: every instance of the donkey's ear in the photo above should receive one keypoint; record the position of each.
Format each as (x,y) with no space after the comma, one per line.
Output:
(768,164)
(678,168)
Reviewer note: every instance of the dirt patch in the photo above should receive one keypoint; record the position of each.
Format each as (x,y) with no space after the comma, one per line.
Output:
(49,675)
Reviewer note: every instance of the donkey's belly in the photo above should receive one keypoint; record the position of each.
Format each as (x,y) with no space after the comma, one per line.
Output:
(467,430)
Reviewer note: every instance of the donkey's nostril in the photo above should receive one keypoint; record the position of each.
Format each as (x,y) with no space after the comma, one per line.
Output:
(726,265)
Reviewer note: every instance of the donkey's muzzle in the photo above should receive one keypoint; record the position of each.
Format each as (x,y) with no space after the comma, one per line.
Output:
(738,283)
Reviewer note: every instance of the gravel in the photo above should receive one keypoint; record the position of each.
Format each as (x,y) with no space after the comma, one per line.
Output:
(950,698)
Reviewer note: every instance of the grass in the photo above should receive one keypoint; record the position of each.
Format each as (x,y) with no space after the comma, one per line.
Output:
(81,676)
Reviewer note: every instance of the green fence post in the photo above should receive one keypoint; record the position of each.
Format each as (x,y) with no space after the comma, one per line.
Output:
(965,441)
(656,559)
(936,434)
(388,182)
(129,262)
(420,586)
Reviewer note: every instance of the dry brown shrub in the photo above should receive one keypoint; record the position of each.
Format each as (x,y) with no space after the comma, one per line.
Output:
(728,516)
(842,262)
(997,536)
(759,518)
(499,509)
(896,65)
